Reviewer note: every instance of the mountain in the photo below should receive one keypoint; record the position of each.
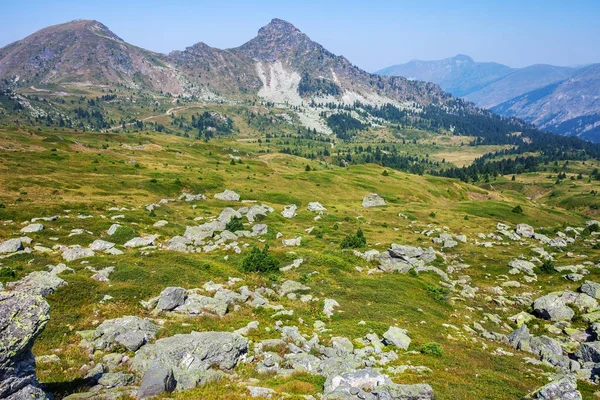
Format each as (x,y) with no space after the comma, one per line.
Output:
(85,53)
(571,106)
(560,99)
(459,75)
(520,81)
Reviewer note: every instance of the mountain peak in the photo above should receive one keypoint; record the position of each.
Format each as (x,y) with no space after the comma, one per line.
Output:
(278,26)
(462,57)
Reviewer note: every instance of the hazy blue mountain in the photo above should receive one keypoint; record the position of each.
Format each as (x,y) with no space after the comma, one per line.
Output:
(570,107)
(459,75)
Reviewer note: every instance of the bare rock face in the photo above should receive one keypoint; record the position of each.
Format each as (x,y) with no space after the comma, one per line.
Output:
(22,318)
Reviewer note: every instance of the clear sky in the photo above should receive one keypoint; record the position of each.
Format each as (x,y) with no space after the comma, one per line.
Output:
(371,34)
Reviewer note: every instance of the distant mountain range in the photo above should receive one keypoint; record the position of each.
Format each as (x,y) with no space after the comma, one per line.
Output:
(564,100)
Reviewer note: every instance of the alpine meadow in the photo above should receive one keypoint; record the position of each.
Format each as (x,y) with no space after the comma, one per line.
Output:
(272,221)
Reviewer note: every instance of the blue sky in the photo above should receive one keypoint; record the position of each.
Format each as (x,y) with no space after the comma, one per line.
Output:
(371,34)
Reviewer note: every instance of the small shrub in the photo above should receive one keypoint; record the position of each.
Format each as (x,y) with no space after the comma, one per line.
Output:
(432,349)
(517,210)
(235,224)
(354,241)
(260,261)
(591,229)
(7,273)
(385,173)
(438,293)
(432,214)
(547,267)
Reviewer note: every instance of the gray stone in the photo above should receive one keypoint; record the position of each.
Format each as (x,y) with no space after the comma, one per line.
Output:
(196,304)
(113,229)
(591,289)
(257,213)
(256,391)
(563,388)
(290,286)
(523,266)
(11,246)
(76,252)
(22,319)
(525,230)
(553,308)
(179,243)
(227,215)
(157,379)
(227,195)
(289,211)
(129,332)
(171,298)
(37,283)
(101,245)
(292,242)
(373,200)
(589,352)
(190,356)
(403,392)
(316,206)
(140,241)
(397,337)
(32,228)
(260,229)
(329,306)
(115,380)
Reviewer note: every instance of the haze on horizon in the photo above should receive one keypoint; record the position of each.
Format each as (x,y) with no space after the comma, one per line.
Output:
(372,36)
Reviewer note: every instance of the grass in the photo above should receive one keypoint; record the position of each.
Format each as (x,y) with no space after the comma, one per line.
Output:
(86,179)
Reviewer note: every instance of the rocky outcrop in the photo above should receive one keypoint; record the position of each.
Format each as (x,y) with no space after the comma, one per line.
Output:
(373,200)
(128,332)
(22,318)
(192,356)
(563,388)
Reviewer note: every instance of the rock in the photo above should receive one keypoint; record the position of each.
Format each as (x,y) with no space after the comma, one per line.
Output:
(191,356)
(11,246)
(157,379)
(32,228)
(292,242)
(589,352)
(329,307)
(101,245)
(373,200)
(76,252)
(256,391)
(295,264)
(563,388)
(403,392)
(365,379)
(397,337)
(316,206)
(196,304)
(227,195)
(129,332)
(591,289)
(37,283)
(525,230)
(140,241)
(289,211)
(227,215)
(115,380)
(103,274)
(113,229)
(553,308)
(22,318)
(523,266)
(171,298)
(179,243)
(291,287)
(191,197)
(257,213)
(260,229)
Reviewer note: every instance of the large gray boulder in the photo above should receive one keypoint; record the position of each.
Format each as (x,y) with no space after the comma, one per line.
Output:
(289,211)
(564,388)
(196,304)
(37,283)
(373,200)
(290,286)
(589,352)
(316,206)
(129,332)
(397,337)
(553,308)
(171,298)
(525,230)
(76,252)
(22,318)
(591,289)
(11,246)
(523,266)
(158,379)
(227,195)
(191,356)
(32,228)
(403,392)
